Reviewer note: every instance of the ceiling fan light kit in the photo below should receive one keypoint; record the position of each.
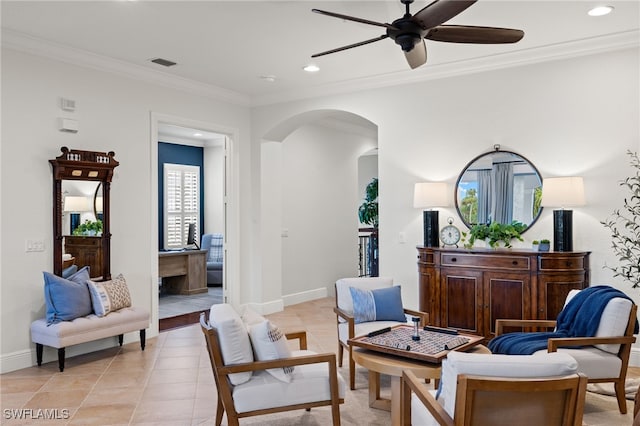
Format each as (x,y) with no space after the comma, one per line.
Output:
(410,31)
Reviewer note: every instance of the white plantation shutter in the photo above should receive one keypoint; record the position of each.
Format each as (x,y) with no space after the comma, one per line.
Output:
(181,203)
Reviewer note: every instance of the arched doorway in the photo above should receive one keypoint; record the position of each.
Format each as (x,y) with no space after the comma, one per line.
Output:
(309,200)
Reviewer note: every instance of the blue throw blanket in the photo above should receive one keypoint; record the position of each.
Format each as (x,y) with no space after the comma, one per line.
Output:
(579,318)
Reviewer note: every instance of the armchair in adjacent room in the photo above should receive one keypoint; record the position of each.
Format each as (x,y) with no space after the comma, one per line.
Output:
(352,324)
(213,243)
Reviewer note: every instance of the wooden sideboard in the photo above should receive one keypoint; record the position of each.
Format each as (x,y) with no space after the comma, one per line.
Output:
(468,289)
(87,252)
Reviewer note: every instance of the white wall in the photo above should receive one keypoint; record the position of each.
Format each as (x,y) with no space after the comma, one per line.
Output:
(569,117)
(319,208)
(114,114)
(213,189)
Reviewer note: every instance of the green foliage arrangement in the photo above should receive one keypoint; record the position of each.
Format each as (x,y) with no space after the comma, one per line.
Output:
(624,225)
(494,233)
(368,211)
(89,228)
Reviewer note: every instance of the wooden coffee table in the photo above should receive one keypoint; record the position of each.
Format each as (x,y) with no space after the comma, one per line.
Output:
(380,363)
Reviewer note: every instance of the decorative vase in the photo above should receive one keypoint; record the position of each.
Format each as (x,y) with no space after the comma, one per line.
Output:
(544,246)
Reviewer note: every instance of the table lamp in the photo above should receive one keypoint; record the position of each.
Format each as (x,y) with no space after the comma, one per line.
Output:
(563,192)
(427,195)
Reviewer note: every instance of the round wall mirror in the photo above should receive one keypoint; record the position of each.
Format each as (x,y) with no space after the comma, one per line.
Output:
(499,186)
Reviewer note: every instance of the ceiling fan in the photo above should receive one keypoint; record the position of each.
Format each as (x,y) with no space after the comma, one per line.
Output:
(410,31)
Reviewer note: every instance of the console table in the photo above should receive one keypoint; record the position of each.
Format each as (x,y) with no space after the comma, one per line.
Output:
(468,289)
(87,251)
(184,272)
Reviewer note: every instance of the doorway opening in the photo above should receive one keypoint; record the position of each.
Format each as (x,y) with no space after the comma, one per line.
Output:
(192,193)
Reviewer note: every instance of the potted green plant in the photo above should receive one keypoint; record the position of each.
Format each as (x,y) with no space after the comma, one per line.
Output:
(494,233)
(545,245)
(368,211)
(624,225)
(89,227)
(535,244)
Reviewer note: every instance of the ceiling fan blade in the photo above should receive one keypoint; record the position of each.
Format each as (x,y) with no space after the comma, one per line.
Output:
(440,11)
(417,56)
(471,34)
(362,43)
(352,18)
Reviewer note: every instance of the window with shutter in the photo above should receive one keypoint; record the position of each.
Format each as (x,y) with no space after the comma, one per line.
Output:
(181,203)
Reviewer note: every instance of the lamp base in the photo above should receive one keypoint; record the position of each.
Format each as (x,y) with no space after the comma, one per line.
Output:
(563,230)
(431,228)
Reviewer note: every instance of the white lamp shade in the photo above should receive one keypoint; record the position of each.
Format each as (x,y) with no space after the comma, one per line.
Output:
(563,192)
(74,203)
(430,194)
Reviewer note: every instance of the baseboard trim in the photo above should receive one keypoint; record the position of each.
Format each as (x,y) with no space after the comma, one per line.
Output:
(27,358)
(304,296)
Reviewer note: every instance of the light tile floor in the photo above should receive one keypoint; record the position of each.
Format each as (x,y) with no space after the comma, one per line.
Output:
(170,382)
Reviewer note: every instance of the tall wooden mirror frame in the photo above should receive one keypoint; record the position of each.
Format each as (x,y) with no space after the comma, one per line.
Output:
(74,164)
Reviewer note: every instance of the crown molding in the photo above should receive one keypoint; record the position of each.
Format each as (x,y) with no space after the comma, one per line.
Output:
(36,46)
(552,52)
(588,46)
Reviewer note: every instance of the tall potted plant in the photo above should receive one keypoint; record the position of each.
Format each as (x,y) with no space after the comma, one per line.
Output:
(368,214)
(624,225)
(368,211)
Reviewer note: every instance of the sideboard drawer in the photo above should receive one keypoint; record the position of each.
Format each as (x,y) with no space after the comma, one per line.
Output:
(561,263)
(519,263)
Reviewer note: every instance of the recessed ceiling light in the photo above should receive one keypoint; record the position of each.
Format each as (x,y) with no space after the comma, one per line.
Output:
(311,68)
(600,11)
(268,78)
(197,135)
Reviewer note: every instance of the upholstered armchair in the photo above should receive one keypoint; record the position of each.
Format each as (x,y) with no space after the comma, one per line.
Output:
(347,316)
(213,243)
(498,390)
(603,357)
(256,373)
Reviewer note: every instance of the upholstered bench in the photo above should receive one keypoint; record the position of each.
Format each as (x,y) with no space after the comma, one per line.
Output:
(86,329)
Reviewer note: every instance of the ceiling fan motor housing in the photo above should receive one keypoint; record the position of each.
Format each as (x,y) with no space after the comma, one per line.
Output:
(405,33)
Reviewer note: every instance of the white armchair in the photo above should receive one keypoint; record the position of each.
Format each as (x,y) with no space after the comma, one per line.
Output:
(541,389)
(349,327)
(278,380)
(603,357)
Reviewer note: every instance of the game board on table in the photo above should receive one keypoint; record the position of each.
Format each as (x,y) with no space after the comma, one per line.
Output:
(433,346)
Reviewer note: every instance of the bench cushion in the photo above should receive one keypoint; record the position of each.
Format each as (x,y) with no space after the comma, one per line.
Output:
(89,328)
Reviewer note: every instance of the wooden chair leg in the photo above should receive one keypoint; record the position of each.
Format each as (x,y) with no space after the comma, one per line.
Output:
(219,412)
(621,396)
(352,371)
(120,339)
(340,354)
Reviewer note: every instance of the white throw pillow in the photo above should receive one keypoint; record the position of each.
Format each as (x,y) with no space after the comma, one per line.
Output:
(269,343)
(234,340)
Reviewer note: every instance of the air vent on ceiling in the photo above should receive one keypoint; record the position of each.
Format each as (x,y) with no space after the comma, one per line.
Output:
(163,62)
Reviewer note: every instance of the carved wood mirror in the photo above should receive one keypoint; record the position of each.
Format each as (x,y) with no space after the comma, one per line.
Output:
(81,229)
(499,186)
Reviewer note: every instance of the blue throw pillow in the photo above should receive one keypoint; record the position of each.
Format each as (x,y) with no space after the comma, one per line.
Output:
(67,298)
(382,304)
